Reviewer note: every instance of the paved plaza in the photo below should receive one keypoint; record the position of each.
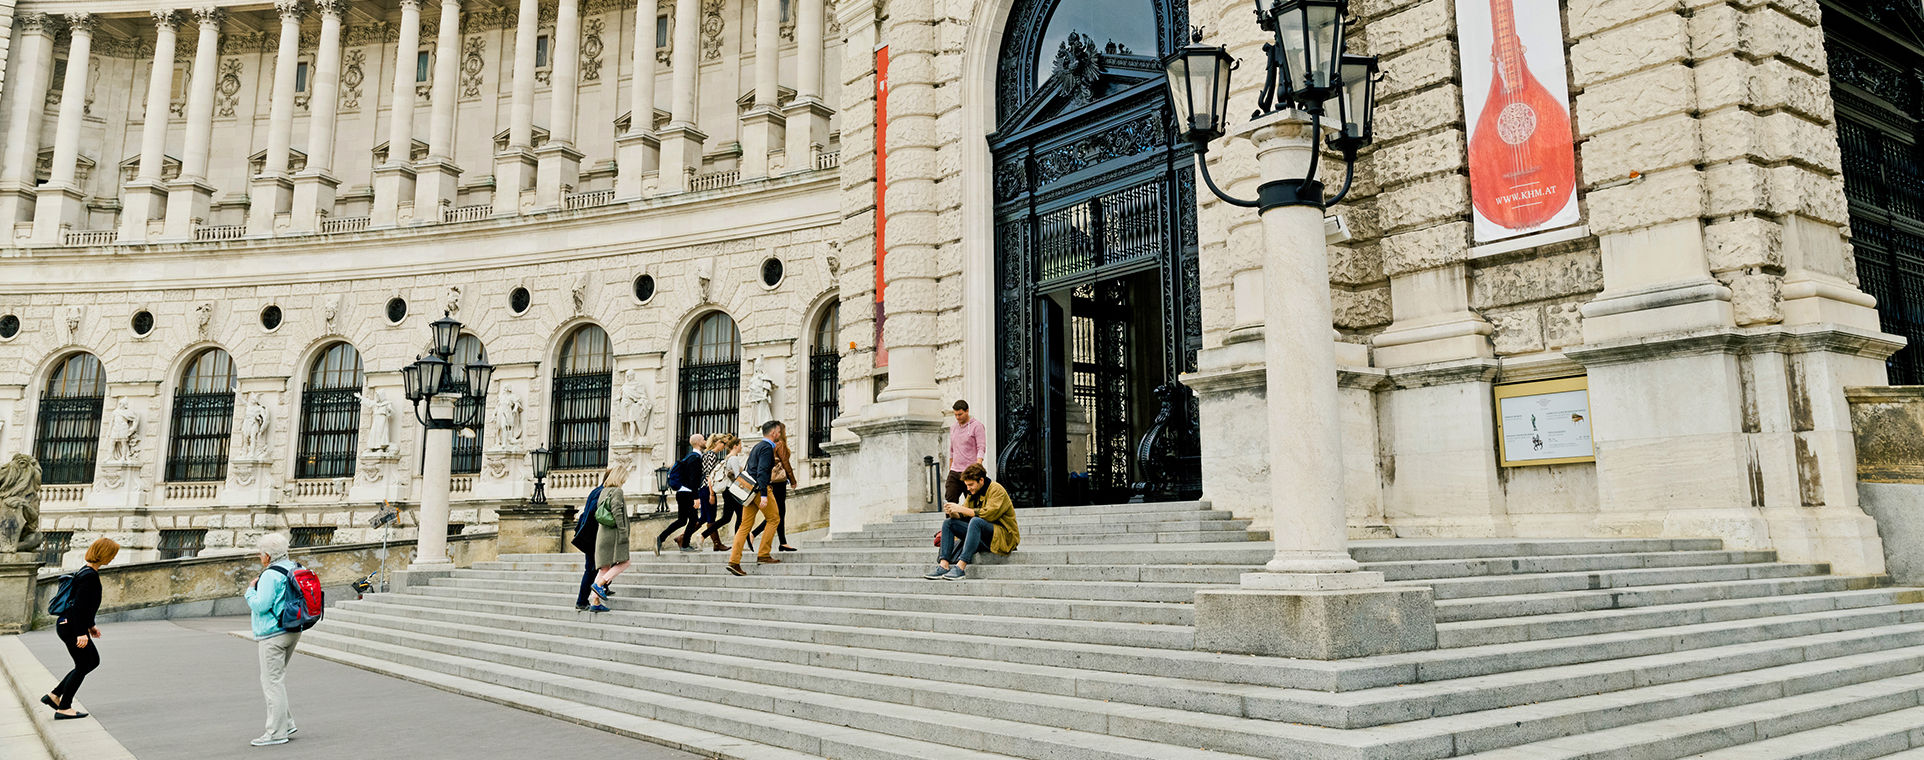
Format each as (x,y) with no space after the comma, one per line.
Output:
(189,690)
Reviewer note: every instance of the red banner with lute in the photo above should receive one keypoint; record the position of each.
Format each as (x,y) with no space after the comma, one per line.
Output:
(1516,98)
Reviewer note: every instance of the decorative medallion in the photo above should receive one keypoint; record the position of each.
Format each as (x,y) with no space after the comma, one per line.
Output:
(591,49)
(351,78)
(711,30)
(471,65)
(227,88)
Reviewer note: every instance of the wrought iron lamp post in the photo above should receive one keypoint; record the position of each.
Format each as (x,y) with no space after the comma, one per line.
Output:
(431,388)
(1315,96)
(540,460)
(661,489)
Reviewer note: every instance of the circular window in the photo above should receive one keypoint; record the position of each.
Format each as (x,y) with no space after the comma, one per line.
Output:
(143,322)
(9,327)
(772,272)
(397,310)
(271,318)
(644,288)
(518,300)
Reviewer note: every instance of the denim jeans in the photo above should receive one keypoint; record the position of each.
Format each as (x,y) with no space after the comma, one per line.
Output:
(971,534)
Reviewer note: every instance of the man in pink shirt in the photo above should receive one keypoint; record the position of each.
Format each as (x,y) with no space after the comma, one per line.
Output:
(968,444)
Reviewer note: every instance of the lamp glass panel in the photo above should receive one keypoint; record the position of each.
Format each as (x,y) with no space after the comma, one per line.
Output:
(1356,95)
(1219,94)
(434,374)
(446,330)
(539,460)
(1325,34)
(411,381)
(1177,72)
(479,373)
(1290,31)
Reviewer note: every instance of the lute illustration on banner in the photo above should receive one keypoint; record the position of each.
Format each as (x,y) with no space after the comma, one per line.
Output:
(1522,168)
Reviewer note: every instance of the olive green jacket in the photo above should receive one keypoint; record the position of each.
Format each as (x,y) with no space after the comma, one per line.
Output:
(993,505)
(611,541)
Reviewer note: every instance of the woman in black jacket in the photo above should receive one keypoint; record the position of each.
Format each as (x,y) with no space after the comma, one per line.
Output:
(77,631)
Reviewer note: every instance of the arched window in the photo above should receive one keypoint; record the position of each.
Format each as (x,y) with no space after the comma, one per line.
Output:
(330,414)
(470,414)
(824,379)
(68,436)
(583,382)
(203,419)
(711,379)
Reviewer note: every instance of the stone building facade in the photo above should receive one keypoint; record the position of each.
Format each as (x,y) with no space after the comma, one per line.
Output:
(1708,298)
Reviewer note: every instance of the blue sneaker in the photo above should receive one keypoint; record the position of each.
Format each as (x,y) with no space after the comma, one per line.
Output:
(599,608)
(936,573)
(602,591)
(956,574)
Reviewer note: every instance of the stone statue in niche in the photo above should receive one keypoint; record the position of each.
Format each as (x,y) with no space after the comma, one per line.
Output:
(510,416)
(203,314)
(20,504)
(255,425)
(637,407)
(381,428)
(123,435)
(758,396)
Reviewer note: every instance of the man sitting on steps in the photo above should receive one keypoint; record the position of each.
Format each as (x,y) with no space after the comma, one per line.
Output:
(986,519)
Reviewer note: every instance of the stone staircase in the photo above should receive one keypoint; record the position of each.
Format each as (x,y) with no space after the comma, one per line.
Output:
(1077,647)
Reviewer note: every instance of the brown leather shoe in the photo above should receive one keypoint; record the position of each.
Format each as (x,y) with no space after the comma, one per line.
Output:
(735,568)
(767,561)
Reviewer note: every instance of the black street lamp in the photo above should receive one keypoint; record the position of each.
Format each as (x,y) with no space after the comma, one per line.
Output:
(540,459)
(1307,69)
(429,382)
(661,488)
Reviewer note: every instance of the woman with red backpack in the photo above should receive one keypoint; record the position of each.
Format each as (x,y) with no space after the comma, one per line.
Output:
(267,597)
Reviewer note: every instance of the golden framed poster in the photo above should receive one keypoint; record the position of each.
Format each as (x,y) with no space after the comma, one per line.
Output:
(1544,422)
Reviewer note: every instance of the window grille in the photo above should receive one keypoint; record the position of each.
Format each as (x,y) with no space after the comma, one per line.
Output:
(54,545)
(711,379)
(203,419)
(583,384)
(181,544)
(68,437)
(307,537)
(824,381)
(330,415)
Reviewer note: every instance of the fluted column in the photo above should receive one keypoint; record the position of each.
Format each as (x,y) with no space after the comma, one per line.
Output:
(60,203)
(394,180)
(32,72)
(638,150)
(514,167)
(271,193)
(189,196)
(681,142)
(808,113)
(560,162)
(141,199)
(314,187)
(437,177)
(762,126)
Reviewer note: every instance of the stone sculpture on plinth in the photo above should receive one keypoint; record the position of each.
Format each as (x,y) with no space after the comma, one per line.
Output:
(20,505)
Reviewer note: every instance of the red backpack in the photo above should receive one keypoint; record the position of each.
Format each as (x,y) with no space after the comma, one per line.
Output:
(302,608)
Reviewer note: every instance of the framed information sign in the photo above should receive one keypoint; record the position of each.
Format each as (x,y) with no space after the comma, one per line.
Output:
(1544,422)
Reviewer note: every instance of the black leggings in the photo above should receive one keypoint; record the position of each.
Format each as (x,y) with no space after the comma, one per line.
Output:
(85,659)
(686,517)
(780,490)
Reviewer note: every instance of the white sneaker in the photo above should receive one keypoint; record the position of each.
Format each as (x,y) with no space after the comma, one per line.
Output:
(266,741)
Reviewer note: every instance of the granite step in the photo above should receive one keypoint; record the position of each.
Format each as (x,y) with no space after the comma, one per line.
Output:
(909,581)
(1898,735)
(1233,533)
(1544,583)
(1516,605)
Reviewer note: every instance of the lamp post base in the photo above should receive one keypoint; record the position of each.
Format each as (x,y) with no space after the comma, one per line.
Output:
(1315,624)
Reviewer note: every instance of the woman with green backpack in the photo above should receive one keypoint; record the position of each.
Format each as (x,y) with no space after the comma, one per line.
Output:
(611,538)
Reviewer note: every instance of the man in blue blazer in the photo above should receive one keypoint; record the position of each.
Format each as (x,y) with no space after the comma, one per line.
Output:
(759,470)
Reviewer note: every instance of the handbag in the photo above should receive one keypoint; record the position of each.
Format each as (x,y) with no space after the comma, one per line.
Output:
(604,515)
(742,487)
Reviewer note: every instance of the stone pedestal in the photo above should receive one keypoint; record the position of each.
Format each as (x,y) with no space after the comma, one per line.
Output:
(1316,624)
(58,208)
(269,196)
(188,204)
(513,172)
(504,475)
(436,182)
(250,483)
(376,477)
(806,130)
(313,200)
(18,571)
(680,156)
(763,130)
(532,529)
(557,172)
(142,201)
(894,437)
(16,205)
(117,485)
(393,185)
(636,154)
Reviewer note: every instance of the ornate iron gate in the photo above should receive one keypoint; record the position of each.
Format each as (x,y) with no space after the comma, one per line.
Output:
(1091,186)
(1875,77)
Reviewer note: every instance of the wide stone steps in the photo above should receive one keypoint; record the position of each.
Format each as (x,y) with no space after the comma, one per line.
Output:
(1079,646)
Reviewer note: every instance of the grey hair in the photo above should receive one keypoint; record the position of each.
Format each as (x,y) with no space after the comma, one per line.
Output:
(274,545)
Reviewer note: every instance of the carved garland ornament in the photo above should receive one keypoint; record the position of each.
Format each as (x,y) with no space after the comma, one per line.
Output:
(711,30)
(472,64)
(227,88)
(591,49)
(351,78)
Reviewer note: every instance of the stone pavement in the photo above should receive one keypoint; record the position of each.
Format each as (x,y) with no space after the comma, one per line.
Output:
(188,689)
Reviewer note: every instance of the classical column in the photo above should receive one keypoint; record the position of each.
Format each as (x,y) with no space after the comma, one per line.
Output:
(189,196)
(437,176)
(141,199)
(807,114)
(680,140)
(60,204)
(394,180)
(762,126)
(514,167)
(29,81)
(431,550)
(560,162)
(638,150)
(314,187)
(271,193)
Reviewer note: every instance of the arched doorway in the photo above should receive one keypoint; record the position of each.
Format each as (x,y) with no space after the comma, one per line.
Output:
(1095,245)
(67,440)
(711,379)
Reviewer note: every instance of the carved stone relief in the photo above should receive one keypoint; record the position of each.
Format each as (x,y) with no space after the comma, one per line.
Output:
(711,30)
(227,88)
(591,48)
(472,63)
(352,75)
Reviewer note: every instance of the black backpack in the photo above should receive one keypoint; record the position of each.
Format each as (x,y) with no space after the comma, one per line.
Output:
(62,600)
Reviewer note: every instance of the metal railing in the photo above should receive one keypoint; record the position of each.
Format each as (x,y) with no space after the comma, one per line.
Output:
(209,232)
(173,492)
(828,159)
(344,224)
(90,237)
(716,180)
(589,199)
(467,213)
